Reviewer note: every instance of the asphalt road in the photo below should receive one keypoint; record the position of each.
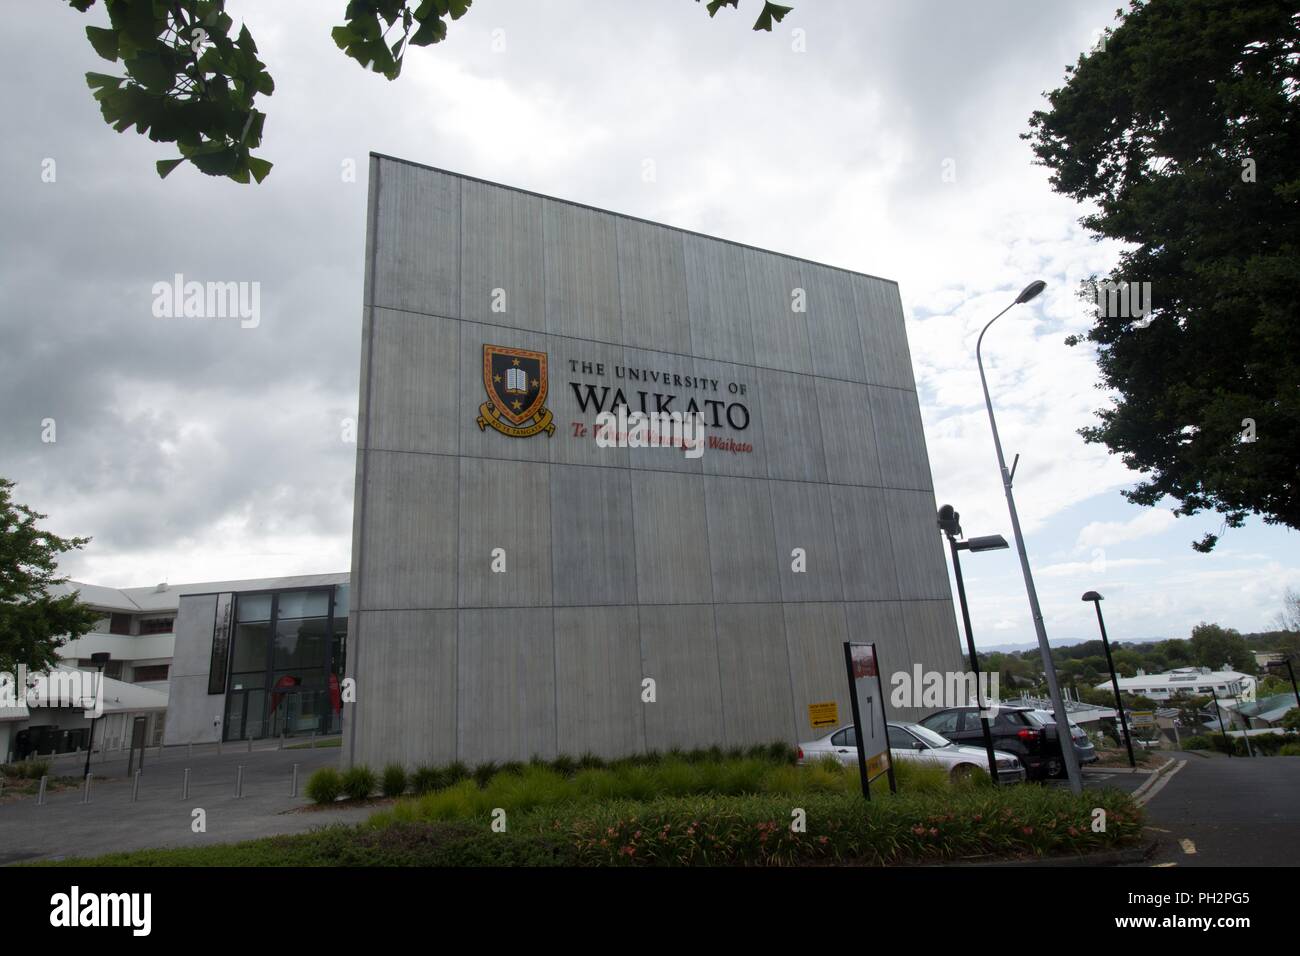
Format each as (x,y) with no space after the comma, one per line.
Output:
(1227,811)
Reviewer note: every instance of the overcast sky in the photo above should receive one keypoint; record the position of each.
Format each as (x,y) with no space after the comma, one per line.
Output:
(196,450)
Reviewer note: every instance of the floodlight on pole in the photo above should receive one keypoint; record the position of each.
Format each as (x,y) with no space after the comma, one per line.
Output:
(1068,755)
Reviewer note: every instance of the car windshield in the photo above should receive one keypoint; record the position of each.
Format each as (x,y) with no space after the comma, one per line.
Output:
(929,736)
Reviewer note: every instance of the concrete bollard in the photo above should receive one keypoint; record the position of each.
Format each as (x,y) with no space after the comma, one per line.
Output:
(250,745)
(185,785)
(135,787)
(281,747)
(293,782)
(85,796)
(313,740)
(219,747)
(40,794)
(239,782)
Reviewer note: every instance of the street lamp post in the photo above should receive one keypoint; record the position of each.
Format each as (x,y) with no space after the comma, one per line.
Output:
(1096,599)
(950,525)
(99,660)
(1049,670)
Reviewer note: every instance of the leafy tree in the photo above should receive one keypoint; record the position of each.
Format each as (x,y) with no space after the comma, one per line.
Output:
(1182,130)
(1291,720)
(1289,619)
(188,82)
(33,622)
(1214,646)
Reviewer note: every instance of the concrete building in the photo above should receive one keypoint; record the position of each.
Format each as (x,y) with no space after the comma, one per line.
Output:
(517,589)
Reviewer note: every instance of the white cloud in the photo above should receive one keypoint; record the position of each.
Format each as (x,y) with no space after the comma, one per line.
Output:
(1104,534)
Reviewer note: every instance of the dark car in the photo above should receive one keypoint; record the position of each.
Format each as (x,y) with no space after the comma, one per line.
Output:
(1017,730)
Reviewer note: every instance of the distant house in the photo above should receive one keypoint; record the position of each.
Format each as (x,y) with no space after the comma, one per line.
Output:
(1196,681)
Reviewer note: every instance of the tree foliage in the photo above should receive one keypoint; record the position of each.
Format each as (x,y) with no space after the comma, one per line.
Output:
(186,81)
(1182,130)
(33,622)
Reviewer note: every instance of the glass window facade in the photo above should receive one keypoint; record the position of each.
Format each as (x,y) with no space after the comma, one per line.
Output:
(286,663)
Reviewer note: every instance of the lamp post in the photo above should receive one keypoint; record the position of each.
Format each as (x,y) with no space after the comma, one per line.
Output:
(1049,670)
(1096,599)
(99,660)
(950,525)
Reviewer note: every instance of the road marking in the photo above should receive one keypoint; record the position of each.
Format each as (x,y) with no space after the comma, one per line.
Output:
(1157,829)
(1155,785)
(1188,846)
(1164,864)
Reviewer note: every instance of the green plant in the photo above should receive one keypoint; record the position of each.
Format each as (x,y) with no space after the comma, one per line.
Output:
(359,782)
(393,781)
(427,779)
(1289,750)
(1196,742)
(325,785)
(485,772)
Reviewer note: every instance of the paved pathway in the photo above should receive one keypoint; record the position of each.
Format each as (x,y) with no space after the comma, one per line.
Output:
(66,827)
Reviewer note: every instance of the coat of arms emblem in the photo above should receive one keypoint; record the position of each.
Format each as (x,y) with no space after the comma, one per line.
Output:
(515,380)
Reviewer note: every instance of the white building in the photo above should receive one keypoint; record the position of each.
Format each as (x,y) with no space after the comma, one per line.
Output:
(1196,681)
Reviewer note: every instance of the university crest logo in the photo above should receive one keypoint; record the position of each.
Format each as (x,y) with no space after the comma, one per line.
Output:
(515,380)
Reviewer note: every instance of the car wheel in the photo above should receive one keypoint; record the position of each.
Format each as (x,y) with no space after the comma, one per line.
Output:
(1053,767)
(962,772)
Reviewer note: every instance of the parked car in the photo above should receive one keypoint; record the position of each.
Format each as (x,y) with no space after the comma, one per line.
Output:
(1028,734)
(912,742)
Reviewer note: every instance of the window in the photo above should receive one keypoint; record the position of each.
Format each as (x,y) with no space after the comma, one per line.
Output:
(220,657)
(149,672)
(900,739)
(848,737)
(944,722)
(156,625)
(120,624)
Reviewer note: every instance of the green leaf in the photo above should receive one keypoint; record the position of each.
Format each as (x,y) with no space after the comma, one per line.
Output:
(165,166)
(104,42)
(259,167)
(771,11)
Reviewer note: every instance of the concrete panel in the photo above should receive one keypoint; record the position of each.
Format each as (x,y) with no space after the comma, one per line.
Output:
(591,536)
(833,336)
(932,639)
(191,712)
(815,635)
(407,663)
(652,284)
(598,705)
(487,442)
(506,668)
(416,240)
(409,538)
(581,260)
(792,427)
(862,530)
(505,505)
(672,553)
(754,666)
(919,557)
(192,648)
(591,366)
(501,248)
(780,332)
(418,385)
(802,518)
(718,294)
(742,545)
(848,433)
(679,650)
(900,438)
(884,335)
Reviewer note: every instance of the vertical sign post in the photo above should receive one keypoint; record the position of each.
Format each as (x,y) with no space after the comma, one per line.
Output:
(867,695)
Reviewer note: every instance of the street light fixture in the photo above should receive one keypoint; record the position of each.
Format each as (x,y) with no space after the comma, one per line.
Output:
(1049,669)
(950,525)
(100,660)
(1096,599)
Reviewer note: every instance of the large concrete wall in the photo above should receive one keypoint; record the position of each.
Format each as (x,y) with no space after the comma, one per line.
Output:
(624,563)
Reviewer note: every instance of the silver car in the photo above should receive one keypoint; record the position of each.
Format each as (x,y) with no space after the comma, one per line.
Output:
(915,743)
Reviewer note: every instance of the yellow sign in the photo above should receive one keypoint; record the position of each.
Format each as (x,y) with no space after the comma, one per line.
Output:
(877,765)
(825,714)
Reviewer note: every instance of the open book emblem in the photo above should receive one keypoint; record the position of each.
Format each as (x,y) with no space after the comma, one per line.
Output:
(515,380)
